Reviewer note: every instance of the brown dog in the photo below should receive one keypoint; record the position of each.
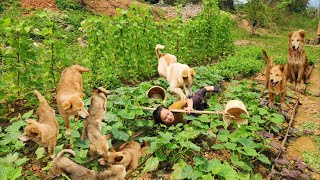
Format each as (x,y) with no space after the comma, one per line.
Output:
(180,76)
(164,60)
(127,155)
(276,81)
(297,60)
(63,165)
(69,95)
(92,124)
(44,132)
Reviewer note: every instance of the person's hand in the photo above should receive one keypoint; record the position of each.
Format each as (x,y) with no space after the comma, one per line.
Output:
(188,109)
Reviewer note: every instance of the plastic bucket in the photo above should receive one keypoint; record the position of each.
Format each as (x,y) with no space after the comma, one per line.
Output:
(157,92)
(233,110)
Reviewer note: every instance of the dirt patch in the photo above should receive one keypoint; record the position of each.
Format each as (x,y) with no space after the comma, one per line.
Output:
(39,4)
(314,81)
(188,11)
(108,7)
(243,42)
(301,145)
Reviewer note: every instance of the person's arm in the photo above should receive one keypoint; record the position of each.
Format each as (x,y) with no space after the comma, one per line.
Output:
(189,107)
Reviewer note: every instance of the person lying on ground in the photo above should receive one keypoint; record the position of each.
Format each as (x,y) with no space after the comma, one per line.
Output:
(165,116)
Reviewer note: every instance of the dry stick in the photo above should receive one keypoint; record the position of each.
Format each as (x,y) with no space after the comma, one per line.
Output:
(128,175)
(286,136)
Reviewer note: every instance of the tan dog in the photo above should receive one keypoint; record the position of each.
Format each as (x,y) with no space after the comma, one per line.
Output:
(63,165)
(276,81)
(128,155)
(44,132)
(297,60)
(69,95)
(164,60)
(180,76)
(92,124)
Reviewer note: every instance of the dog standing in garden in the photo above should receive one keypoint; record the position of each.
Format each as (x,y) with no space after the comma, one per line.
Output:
(164,60)
(44,132)
(64,165)
(297,60)
(180,76)
(69,95)
(128,155)
(92,124)
(276,81)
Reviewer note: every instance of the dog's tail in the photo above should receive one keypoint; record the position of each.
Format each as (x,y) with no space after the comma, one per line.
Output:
(40,97)
(158,47)
(266,57)
(80,68)
(106,92)
(61,154)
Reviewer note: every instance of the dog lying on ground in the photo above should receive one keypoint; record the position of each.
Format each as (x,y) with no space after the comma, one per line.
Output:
(164,60)
(63,165)
(297,60)
(69,95)
(276,81)
(44,132)
(92,124)
(128,155)
(180,76)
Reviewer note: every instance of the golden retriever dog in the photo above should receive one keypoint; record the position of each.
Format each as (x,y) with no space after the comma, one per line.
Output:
(180,76)
(44,132)
(297,60)
(69,95)
(164,60)
(276,81)
(63,165)
(128,155)
(92,124)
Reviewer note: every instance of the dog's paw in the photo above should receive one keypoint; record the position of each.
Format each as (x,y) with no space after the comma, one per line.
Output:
(270,105)
(68,132)
(183,97)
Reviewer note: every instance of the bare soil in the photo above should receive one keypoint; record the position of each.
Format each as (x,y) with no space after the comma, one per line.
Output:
(39,4)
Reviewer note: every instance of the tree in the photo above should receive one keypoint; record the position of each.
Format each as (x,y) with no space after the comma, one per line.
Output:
(226,5)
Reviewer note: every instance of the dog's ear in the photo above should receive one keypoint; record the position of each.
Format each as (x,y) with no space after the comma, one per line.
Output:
(118,158)
(35,132)
(192,72)
(302,33)
(283,68)
(66,105)
(290,34)
(184,73)
(82,95)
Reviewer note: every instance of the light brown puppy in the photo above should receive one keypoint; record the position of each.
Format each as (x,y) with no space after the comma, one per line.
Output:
(44,132)
(276,81)
(63,165)
(128,155)
(297,60)
(69,95)
(164,60)
(92,124)
(180,76)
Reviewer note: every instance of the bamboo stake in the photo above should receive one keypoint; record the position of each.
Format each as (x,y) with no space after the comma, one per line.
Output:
(193,111)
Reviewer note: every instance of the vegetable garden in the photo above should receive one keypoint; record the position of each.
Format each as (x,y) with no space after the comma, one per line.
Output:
(120,52)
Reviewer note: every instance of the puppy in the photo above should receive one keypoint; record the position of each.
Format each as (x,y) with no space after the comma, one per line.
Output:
(92,124)
(44,132)
(164,60)
(69,95)
(276,81)
(297,60)
(127,155)
(180,76)
(63,165)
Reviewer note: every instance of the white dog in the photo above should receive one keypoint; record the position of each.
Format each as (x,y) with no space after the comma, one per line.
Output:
(180,76)
(164,60)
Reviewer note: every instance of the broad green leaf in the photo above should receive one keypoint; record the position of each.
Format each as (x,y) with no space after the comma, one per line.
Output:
(28,114)
(40,152)
(14,173)
(264,159)
(230,145)
(160,155)
(151,164)
(207,177)
(218,146)
(21,161)
(235,160)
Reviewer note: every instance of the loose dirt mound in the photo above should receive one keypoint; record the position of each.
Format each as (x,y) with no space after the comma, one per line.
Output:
(39,4)
(108,7)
